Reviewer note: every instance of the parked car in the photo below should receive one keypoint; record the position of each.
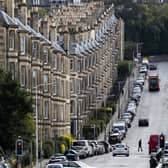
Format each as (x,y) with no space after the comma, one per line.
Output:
(54,165)
(85,145)
(132,111)
(94,148)
(152,67)
(55,159)
(121,125)
(98,147)
(81,151)
(106,145)
(127,120)
(143,69)
(129,115)
(114,138)
(75,164)
(140,80)
(72,154)
(120,149)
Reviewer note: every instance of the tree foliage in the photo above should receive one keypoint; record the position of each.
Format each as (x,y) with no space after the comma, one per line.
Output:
(15,112)
(146,23)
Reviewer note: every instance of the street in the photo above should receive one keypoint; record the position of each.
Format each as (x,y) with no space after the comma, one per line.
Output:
(154,106)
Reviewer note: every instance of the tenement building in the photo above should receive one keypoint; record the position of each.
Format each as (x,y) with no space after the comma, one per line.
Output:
(41,67)
(68,57)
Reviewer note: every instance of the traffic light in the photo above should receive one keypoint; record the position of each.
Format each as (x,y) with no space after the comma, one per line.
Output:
(19,147)
(162,141)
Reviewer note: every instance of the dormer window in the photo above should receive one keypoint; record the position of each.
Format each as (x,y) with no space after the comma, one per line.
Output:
(11,40)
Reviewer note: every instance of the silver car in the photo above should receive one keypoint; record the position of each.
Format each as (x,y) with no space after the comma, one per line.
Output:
(120,149)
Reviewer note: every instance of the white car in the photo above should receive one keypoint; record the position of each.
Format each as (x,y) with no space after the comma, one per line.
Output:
(54,165)
(140,80)
(143,69)
(85,145)
(75,164)
(120,149)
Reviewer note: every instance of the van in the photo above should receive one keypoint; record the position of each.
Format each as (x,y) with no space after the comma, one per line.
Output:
(121,125)
(153,143)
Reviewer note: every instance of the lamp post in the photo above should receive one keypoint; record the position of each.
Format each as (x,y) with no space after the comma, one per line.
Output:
(37,132)
(105,97)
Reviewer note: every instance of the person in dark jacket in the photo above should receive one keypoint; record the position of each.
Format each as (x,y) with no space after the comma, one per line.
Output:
(140,145)
(153,162)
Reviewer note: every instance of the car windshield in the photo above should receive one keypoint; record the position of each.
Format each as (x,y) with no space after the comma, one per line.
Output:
(54,166)
(76,147)
(119,146)
(119,127)
(79,143)
(153,81)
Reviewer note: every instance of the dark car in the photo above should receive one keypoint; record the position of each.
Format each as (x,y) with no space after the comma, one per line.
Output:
(152,67)
(143,122)
(72,155)
(107,146)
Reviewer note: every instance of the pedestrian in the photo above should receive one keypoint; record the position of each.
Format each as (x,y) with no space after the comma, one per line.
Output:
(153,162)
(140,145)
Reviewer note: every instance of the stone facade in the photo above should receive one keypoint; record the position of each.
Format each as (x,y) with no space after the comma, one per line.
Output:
(37,63)
(71,54)
(94,40)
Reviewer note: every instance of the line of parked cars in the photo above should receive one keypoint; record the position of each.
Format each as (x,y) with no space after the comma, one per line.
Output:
(120,127)
(80,149)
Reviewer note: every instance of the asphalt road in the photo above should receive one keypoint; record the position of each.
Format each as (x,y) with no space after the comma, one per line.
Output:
(154,106)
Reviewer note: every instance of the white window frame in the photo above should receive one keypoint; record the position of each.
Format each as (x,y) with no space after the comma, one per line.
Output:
(54,87)
(11,40)
(46,81)
(34,78)
(54,62)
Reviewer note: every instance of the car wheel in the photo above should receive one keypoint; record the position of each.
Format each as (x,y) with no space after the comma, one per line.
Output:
(114,155)
(127,155)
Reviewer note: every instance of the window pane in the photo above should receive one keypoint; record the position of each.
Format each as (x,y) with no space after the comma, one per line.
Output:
(11,39)
(46,109)
(34,78)
(35,50)
(45,53)
(46,83)
(22,44)
(23,76)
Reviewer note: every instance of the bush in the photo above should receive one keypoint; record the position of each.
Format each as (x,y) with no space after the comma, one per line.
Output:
(124,69)
(48,148)
(69,139)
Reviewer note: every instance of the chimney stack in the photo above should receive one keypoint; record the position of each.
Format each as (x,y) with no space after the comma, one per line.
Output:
(23,12)
(10,7)
(35,19)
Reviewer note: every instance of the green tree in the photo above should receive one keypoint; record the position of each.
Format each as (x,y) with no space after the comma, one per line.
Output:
(15,112)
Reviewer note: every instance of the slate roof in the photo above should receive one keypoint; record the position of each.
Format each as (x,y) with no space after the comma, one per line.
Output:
(6,20)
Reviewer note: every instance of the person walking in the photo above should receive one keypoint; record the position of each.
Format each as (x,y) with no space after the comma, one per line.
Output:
(140,145)
(153,162)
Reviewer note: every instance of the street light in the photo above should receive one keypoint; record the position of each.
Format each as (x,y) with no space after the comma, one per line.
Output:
(37,137)
(105,97)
